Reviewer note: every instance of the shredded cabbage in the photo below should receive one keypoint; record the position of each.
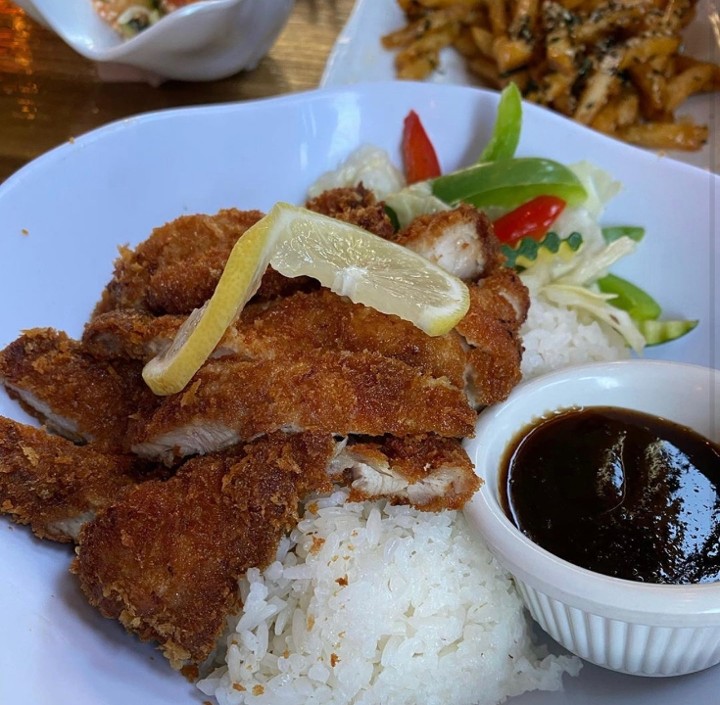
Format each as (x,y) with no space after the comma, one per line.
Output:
(571,280)
(413,201)
(368,165)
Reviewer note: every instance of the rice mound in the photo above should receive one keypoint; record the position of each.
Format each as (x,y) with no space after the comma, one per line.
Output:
(555,337)
(373,603)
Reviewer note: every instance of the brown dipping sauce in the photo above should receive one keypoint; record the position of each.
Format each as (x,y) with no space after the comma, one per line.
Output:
(619,492)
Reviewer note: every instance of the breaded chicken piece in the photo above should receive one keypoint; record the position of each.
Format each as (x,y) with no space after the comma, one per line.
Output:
(176,269)
(498,307)
(75,395)
(306,322)
(428,472)
(166,558)
(356,205)
(461,241)
(130,334)
(229,401)
(55,486)
(288,327)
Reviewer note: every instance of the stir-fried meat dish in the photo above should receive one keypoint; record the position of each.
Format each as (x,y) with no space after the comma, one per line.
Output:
(170,499)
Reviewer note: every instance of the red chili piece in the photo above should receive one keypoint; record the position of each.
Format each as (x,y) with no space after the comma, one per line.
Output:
(531,219)
(419,157)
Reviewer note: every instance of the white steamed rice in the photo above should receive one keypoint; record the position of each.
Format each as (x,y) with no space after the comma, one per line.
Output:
(371,603)
(557,336)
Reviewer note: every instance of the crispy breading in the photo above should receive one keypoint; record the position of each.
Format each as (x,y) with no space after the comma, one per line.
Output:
(165,559)
(356,205)
(306,322)
(129,334)
(498,307)
(429,472)
(75,395)
(286,327)
(176,269)
(55,486)
(460,240)
(342,393)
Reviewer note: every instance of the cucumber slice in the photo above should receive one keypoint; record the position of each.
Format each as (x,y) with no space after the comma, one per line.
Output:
(658,332)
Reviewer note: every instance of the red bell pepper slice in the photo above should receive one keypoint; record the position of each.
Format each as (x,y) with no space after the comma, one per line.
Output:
(531,219)
(419,157)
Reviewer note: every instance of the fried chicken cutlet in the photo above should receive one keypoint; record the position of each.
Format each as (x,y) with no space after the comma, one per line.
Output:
(128,334)
(230,401)
(166,558)
(300,367)
(428,472)
(287,327)
(73,393)
(176,269)
(55,486)
(356,205)
(499,304)
(460,240)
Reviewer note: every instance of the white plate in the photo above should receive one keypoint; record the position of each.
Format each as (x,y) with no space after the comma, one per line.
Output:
(198,42)
(62,217)
(359,57)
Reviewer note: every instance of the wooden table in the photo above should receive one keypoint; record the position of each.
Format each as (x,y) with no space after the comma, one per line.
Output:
(48,93)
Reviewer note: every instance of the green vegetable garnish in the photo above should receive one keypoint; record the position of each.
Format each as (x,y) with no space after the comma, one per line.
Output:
(499,179)
(629,297)
(392,215)
(616,232)
(509,182)
(657,332)
(527,251)
(506,131)
(643,310)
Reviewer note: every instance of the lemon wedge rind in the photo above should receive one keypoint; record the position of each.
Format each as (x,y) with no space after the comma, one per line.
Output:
(169,372)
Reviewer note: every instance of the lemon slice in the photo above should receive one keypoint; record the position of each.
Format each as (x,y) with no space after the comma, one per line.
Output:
(343,257)
(370,270)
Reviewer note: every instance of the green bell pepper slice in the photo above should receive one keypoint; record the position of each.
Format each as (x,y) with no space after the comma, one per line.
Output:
(509,182)
(506,131)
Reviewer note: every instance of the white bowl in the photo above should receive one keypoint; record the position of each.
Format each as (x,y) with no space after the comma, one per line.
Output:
(199,42)
(626,626)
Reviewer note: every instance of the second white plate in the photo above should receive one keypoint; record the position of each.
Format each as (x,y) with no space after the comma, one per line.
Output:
(358,56)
